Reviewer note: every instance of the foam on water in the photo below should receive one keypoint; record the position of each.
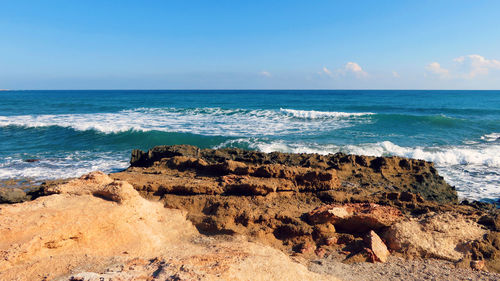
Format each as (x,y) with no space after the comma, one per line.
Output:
(491,137)
(313,114)
(203,121)
(68,165)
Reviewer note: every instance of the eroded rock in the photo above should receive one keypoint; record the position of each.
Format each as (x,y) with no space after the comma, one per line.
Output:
(446,235)
(97,228)
(356,217)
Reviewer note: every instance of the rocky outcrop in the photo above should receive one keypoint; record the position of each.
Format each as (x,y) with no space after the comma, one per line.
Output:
(305,204)
(357,174)
(97,228)
(310,206)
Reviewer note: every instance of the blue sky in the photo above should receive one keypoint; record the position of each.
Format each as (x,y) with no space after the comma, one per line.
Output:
(249,44)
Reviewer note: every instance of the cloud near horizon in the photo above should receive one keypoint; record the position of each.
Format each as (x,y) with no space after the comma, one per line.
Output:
(436,69)
(466,67)
(356,69)
(265,73)
(350,68)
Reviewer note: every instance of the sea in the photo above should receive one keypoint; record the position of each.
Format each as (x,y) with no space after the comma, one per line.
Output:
(69,133)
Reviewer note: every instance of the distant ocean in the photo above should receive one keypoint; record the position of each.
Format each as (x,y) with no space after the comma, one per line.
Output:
(74,132)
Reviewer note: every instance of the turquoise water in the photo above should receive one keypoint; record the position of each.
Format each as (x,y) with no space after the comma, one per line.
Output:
(73,132)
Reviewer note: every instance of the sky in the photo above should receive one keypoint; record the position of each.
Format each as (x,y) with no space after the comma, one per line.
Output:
(119,44)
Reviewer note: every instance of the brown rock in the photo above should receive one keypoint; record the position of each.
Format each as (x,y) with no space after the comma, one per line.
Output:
(356,217)
(375,174)
(12,195)
(323,232)
(478,265)
(378,247)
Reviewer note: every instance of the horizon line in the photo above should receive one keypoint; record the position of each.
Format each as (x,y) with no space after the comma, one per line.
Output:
(246,89)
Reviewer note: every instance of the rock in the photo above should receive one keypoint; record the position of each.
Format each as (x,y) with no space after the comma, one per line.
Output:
(145,159)
(270,196)
(97,228)
(324,232)
(478,265)
(356,217)
(375,174)
(446,236)
(12,195)
(378,247)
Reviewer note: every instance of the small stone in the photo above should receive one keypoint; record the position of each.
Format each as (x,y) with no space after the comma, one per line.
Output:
(378,247)
(478,265)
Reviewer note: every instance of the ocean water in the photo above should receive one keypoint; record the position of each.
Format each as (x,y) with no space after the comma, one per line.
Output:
(74,132)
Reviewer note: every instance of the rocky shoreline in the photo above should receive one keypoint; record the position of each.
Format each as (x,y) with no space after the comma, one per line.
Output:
(315,210)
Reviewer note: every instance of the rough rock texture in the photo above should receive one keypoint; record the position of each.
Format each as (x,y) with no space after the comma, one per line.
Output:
(363,173)
(305,204)
(355,217)
(309,206)
(443,236)
(96,228)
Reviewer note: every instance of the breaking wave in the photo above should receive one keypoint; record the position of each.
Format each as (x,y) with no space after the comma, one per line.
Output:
(202,121)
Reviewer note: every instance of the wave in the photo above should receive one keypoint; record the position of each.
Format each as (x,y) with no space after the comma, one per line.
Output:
(491,137)
(63,165)
(313,114)
(480,155)
(202,121)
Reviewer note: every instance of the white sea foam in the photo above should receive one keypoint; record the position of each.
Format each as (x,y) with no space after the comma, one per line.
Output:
(203,121)
(491,137)
(313,114)
(63,166)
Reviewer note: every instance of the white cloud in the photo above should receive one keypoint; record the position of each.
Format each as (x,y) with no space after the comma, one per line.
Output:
(326,71)
(356,69)
(475,65)
(395,74)
(350,68)
(265,73)
(435,68)
(465,67)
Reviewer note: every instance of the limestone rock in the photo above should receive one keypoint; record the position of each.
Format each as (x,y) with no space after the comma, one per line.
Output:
(447,236)
(374,174)
(12,195)
(97,228)
(377,246)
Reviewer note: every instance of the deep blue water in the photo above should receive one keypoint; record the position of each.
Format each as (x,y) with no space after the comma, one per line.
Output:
(74,132)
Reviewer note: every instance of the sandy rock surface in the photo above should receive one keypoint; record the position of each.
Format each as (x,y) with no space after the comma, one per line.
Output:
(443,236)
(95,227)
